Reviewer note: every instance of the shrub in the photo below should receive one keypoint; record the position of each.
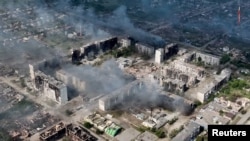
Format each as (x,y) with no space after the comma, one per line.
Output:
(173,121)
(99,132)
(87,125)
(243,112)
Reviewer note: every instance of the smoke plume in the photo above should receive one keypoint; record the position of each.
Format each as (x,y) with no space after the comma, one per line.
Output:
(99,80)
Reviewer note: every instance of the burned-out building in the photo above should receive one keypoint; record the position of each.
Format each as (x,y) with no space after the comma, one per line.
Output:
(61,129)
(108,102)
(175,85)
(76,56)
(77,133)
(53,133)
(48,86)
(208,59)
(70,79)
(189,69)
(179,76)
(89,51)
(145,49)
(165,53)
(170,50)
(126,41)
(135,91)
(174,102)
(170,73)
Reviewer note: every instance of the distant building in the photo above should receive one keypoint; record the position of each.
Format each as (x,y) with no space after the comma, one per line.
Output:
(159,56)
(145,49)
(189,133)
(125,42)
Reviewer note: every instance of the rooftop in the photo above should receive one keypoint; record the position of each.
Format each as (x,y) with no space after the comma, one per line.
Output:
(128,135)
(187,132)
(208,116)
(113,130)
(95,42)
(118,91)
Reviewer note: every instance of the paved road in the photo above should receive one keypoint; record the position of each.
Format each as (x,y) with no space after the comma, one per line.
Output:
(55,111)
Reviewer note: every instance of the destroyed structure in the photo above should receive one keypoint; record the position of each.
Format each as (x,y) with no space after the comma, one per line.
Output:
(109,101)
(210,86)
(208,59)
(134,90)
(49,86)
(91,50)
(70,79)
(53,133)
(145,49)
(76,133)
(160,53)
(165,53)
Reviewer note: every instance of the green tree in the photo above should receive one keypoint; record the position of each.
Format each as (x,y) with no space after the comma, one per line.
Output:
(68,112)
(221,112)
(160,134)
(224,59)
(99,132)
(199,59)
(87,125)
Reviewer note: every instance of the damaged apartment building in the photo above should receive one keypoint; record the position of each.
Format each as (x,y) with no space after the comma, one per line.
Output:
(135,91)
(61,129)
(181,74)
(91,50)
(48,86)
(165,53)
(207,59)
(160,53)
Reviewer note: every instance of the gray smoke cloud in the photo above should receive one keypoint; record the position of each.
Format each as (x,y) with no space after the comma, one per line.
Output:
(117,22)
(120,20)
(102,80)
(22,54)
(99,80)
